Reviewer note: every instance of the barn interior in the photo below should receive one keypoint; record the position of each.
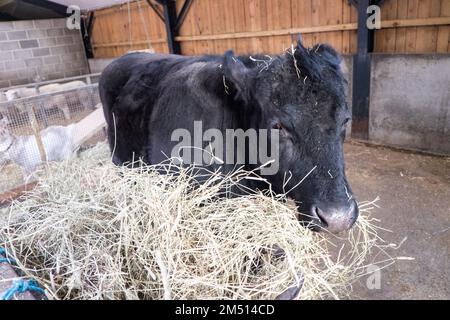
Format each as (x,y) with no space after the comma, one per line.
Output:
(397,146)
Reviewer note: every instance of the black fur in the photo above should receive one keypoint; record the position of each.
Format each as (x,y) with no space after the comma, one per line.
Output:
(145,97)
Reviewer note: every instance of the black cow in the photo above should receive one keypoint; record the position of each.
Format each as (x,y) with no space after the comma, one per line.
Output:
(300,93)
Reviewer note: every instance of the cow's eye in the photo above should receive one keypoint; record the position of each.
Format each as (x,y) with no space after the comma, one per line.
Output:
(344,124)
(277,126)
(282,130)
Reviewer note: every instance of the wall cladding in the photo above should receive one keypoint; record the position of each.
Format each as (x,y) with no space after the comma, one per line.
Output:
(270,26)
(33,50)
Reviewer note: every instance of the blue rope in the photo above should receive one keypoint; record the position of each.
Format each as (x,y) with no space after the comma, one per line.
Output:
(21,286)
(6,259)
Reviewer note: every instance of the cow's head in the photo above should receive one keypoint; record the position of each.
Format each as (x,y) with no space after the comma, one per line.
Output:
(302,94)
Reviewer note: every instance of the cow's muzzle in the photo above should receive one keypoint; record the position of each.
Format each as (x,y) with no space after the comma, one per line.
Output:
(333,217)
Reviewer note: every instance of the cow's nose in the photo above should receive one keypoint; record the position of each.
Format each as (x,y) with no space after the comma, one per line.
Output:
(335,217)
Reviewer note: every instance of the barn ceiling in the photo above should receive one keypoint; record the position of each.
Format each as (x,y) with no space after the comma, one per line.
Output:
(44,9)
(30,9)
(89,4)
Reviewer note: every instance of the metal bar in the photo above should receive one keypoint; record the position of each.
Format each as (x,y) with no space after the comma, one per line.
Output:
(155,8)
(90,22)
(44,95)
(182,15)
(38,84)
(170,17)
(361,75)
(86,32)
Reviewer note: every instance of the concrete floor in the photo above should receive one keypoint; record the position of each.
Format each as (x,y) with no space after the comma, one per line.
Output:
(414,193)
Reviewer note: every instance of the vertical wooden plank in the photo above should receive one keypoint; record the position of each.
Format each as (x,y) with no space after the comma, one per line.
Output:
(334,17)
(353,33)
(320,18)
(187,29)
(426,36)
(400,34)
(345,34)
(208,46)
(217,24)
(302,17)
(261,12)
(253,23)
(443,34)
(271,20)
(411,32)
(239,9)
(272,13)
(279,16)
(385,38)
(229,22)
(285,22)
(315,19)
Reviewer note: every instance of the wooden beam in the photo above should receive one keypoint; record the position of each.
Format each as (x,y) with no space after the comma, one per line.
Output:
(156,10)
(238,35)
(89,126)
(127,43)
(9,196)
(37,132)
(182,14)
(441,21)
(338,27)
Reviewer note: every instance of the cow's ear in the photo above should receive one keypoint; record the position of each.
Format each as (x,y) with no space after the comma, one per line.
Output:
(300,45)
(240,77)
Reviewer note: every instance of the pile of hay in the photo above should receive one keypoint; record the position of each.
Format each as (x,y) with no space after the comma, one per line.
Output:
(91,230)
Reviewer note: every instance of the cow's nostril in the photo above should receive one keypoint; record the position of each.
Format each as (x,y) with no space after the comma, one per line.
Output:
(321,216)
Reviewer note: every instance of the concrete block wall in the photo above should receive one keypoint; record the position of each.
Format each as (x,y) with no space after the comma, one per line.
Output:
(97,65)
(410,101)
(33,50)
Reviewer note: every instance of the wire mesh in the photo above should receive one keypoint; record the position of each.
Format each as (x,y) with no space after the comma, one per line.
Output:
(40,128)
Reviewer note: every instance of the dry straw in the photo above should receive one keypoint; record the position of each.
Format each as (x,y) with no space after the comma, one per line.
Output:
(91,230)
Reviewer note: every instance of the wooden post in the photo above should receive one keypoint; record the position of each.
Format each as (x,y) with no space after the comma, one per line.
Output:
(37,133)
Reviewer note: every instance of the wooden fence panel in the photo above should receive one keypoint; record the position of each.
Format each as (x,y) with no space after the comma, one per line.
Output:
(415,39)
(443,34)
(270,26)
(112,35)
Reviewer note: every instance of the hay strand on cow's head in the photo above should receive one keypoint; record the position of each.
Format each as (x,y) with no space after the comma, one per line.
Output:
(91,230)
